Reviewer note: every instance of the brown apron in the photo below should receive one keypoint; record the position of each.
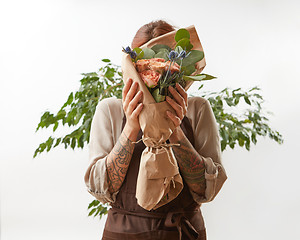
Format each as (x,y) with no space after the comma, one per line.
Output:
(179,219)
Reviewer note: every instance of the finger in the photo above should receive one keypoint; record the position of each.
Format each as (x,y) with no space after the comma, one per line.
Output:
(131,93)
(182,92)
(137,110)
(178,109)
(126,88)
(176,120)
(134,102)
(179,99)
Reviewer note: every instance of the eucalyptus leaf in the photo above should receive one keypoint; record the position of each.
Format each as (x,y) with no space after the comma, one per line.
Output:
(192,58)
(185,44)
(163,53)
(182,33)
(188,70)
(156,48)
(148,53)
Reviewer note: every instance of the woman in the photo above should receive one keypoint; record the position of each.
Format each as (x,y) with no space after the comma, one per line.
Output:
(115,157)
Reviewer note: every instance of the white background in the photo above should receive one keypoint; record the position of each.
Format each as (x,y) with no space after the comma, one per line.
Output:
(45,45)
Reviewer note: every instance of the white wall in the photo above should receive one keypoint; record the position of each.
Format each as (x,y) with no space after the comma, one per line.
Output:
(45,45)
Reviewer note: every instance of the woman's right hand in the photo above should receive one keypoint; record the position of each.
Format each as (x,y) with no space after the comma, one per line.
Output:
(132,108)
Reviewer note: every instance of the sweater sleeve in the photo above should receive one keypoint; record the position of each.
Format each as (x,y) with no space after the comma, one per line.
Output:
(207,144)
(103,135)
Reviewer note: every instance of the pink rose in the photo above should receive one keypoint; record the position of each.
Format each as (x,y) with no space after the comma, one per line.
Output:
(150,77)
(146,64)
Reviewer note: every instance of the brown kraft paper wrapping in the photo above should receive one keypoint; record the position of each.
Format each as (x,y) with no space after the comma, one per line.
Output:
(159,181)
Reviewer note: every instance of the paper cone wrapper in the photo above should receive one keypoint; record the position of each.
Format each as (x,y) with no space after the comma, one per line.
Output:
(159,181)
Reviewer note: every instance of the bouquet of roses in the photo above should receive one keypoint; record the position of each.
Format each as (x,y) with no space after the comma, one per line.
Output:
(160,66)
(175,57)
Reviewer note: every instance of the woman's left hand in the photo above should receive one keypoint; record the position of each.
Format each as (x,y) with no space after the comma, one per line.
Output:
(179,104)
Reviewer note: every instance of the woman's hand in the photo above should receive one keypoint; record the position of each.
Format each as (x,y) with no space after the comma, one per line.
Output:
(179,103)
(132,108)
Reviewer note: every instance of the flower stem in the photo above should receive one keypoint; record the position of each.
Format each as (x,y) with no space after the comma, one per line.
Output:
(167,72)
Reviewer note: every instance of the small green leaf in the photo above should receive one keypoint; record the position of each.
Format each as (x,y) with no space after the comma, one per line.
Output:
(92,211)
(247,100)
(105,60)
(93,203)
(185,44)
(199,77)
(148,53)
(49,143)
(58,140)
(201,86)
(55,126)
(247,145)
(182,33)
(139,52)
(73,143)
(223,145)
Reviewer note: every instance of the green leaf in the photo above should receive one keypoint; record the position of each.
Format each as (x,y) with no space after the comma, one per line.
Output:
(61,113)
(58,140)
(192,58)
(139,52)
(157,97)
(223,145)
(163,53)
(178,49)
(241,142)
(253,138)
(49,143)
(158,47)
(105,60)
(247,100)
(188,70)
(247,145)
(148,53)
(185,44)
(55,126)
(93,203)
(92,211)
(199,77)
(201,86)
(182,33)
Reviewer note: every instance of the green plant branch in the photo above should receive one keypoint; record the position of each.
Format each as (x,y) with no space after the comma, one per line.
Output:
(235,128)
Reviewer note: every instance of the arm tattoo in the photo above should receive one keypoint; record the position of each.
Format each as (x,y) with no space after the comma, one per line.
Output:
(191,166)
(118,161)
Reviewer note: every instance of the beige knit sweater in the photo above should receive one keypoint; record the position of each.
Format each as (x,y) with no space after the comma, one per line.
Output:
(106,129)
